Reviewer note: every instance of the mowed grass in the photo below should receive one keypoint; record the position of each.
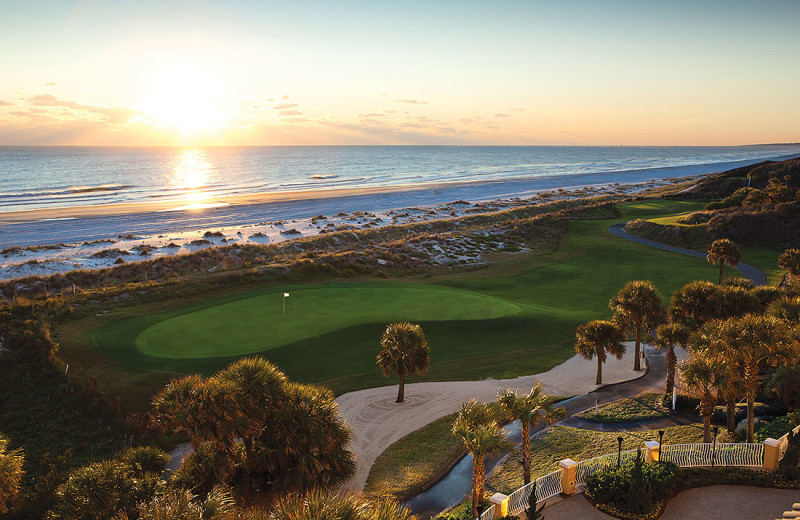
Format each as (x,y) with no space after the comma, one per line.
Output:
(642,407)
(516,317)
(259,323)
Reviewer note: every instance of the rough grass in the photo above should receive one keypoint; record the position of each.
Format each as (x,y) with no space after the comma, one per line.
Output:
(407,465)
(560,442)
(639,408)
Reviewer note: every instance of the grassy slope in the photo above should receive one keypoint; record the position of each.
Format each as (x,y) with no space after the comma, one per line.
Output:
(641,407)
(556,292)
(561,442)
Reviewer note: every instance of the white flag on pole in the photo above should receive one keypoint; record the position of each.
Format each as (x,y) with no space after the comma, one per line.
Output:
(286,295)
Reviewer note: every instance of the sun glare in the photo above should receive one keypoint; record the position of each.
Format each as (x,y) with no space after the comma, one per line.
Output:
(191,173)
(186,98)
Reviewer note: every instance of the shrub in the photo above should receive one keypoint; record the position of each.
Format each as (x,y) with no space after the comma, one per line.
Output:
(635,487)
(777,428)
(101,490)
(734,199)
(759,409)
(791,458)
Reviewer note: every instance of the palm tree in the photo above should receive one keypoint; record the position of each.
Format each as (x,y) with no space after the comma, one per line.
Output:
(476,425)
(785,382)
(706,376)
(695,303)
(790,260)
(181,504)
(323,506)
(670,336)
(638,306)
(737,301)
(10,473)
(723,251)
(599,338)
(306,445)
(753,341)
(786,308)
(530,409)
(711,341)
(261,393)
(404,351)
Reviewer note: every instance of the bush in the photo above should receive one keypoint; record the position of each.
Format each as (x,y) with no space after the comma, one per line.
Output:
(759,409)
(101,490)
(636,487)
(791,458)
(776,428)
(735,199)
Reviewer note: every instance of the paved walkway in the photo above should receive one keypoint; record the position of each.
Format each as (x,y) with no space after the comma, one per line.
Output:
(748,271)
(706,503)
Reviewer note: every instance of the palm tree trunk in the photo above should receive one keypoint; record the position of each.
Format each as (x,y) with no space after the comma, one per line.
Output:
(706,428)
(599,380)
(526,452)
(246,473)
(730,414)
(750,405)
(478,476)
(751,389)
(721,267)
(401,391)
(670,360)
(636,365)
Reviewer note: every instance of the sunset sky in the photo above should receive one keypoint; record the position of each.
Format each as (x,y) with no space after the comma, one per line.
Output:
(403,72)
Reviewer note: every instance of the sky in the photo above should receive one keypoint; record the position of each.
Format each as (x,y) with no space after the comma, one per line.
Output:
(174,72)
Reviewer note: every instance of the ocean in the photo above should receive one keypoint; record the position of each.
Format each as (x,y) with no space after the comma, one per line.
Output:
(51,177)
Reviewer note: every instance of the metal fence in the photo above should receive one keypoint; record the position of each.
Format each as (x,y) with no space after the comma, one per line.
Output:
(488,514)
(546,487)
(707,454)
(590,466)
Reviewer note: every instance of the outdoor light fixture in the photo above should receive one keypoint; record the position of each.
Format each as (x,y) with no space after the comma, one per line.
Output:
(660,444)
(619,450)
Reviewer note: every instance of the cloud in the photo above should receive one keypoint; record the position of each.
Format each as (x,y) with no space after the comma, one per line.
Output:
(284,106)
(502,115)
(517,109)
(285,96)
(285,113)
(371,114)
(5,103)
(50,84)
(113,114)
(411,101)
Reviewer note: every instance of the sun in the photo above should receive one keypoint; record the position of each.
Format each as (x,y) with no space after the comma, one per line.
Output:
(186,98)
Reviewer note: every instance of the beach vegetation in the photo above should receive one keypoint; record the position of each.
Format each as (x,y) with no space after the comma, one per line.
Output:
(723,251)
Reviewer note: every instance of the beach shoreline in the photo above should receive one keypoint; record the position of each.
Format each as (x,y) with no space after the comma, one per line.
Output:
(49,241)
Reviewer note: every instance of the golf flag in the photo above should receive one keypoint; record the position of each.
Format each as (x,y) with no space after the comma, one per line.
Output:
(286,295)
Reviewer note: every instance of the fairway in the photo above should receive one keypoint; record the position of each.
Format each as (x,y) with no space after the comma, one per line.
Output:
(500,322)
(258,323)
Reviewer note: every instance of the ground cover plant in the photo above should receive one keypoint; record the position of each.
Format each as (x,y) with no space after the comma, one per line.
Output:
(640,408)
(516,317)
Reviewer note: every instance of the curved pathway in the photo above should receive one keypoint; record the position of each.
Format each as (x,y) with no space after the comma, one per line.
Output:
(748,271)
(377,421)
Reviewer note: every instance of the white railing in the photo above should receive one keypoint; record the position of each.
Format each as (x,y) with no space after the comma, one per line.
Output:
(687,455)
(546,487)
(590,466)
(783,442)
(488,514)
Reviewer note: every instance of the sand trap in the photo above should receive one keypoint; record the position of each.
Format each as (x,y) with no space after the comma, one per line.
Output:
(377,421)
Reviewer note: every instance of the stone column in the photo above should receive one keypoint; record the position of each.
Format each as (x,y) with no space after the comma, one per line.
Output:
(771,453)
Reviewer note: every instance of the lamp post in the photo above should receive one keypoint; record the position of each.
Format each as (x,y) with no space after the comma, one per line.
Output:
(660,445)
(619,450)
(715,430)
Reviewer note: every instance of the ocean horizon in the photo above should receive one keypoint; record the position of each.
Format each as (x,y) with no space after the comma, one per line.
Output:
(34,177)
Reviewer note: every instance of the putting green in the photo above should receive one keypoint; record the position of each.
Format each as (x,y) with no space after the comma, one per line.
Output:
(256,324)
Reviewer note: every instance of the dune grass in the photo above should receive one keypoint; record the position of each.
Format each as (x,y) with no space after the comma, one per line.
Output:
(554,292)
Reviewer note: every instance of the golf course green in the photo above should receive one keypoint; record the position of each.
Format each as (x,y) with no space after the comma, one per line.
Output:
(502,321)
(265,322)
